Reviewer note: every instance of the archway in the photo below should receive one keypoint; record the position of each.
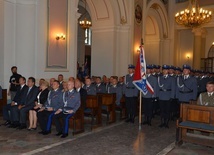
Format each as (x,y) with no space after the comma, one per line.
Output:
(156,30)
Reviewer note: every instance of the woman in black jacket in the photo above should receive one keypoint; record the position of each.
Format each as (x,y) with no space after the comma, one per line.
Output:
(41,99)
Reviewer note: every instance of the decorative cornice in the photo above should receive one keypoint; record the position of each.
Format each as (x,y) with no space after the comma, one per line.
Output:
(22,2)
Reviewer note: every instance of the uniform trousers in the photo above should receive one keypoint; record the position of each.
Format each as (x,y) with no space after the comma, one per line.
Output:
(148,106)
(45,119)
(64,126)
(131,105)
(165,108)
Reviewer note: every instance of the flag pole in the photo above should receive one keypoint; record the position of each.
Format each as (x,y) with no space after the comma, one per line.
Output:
(140,117)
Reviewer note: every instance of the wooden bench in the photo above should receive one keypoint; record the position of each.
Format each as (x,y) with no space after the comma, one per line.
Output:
(94,109)
(195,117)
(77,121)
(3,101)
(122,108)
(108,101)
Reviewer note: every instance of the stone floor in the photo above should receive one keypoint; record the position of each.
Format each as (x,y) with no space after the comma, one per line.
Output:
(117,139)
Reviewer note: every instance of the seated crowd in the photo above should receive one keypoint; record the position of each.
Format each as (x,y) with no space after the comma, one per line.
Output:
(58,100)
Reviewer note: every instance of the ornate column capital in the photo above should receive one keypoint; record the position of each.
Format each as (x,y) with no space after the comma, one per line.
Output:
(200,32)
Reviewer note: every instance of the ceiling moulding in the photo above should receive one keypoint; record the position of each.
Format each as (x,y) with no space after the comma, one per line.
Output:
(23,2)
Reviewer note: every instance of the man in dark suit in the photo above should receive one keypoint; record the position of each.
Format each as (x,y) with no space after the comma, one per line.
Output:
(60,79)
(13,107)
(53,103)
(83,92)
(29,102)
(71,101)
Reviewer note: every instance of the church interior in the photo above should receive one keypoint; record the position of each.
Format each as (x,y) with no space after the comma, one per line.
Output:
(48,38)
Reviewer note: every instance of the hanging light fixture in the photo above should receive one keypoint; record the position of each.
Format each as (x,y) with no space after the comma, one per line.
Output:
(85,24)
(193,16)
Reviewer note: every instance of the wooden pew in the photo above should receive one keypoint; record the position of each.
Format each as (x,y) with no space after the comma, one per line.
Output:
(122,108)
(195,117)
(108,100)
(3,101)
(77,121)
(94,109)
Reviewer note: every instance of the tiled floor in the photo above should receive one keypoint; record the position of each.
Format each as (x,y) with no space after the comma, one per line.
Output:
(116,139)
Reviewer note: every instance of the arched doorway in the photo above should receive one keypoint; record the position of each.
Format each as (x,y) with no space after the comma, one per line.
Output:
(84,41)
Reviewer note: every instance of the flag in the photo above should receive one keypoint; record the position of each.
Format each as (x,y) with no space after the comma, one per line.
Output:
(140,80)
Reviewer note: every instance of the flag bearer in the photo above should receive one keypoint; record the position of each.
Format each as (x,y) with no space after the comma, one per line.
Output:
(149,98)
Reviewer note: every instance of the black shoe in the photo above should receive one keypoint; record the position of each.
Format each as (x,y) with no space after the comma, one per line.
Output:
(161,125)
(128,120)
(59,133)
(7,123)
(64,135)
(46,132)
(22,127)
(149,124)
(31,129)
(40,132)
(145,122)
(166,126)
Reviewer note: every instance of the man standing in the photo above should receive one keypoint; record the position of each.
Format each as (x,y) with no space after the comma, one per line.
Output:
(71,100)
(149,99)
(60,79)
(83,92)
(14,82)
(166,85)
(131,94)
(53,103)
(186,86)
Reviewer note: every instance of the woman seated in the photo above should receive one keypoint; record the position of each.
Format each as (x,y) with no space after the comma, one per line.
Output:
(41,99)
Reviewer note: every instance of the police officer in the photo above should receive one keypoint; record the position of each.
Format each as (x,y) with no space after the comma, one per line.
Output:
(53,103)
(131,94)
(100,87)
(166,86)
(148,99)
(89,87)
(117,89)
(186,88)
(71,101)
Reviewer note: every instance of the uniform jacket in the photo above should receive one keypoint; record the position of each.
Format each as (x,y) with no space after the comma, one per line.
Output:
(154,84)
(91,90)
(71,100)
(186,90)
(205,99)
(54,99)
(129,88)
(101,88)
(166,87)
(117,89)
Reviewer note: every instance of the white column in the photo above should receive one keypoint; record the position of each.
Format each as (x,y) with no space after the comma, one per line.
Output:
(1,43)
(197,50)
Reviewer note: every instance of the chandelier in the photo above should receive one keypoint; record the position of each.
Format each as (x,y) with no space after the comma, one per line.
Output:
(193,16)
(85,24)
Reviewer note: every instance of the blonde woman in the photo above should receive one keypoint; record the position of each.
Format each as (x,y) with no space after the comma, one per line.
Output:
(41,99)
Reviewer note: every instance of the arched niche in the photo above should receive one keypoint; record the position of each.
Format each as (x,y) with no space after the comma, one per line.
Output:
(156,32)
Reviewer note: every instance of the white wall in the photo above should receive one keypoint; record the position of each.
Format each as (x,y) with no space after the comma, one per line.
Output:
(209,40)
(1,42)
